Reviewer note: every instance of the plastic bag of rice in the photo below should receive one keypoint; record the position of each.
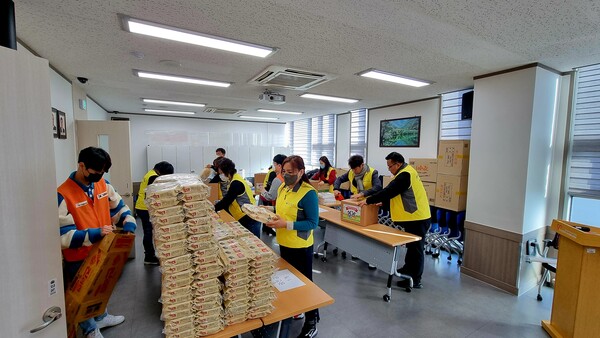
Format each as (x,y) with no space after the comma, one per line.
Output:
(206,299)
(160,237)
(170,269)
(199,229)
(235,319)
(194,186)
(207,275)
(183,334)
(198,205)
(195,196)
(179,328)
(206,291)
(183,298)
(199,221)
(178,277)
(176,307)
(168,228)
(170,211)
(166,220)
(209,312)
(209,328)
(199,284)
(206,305)
(177,260)
(158,191)
(199,320)
(205,259)
(162,203)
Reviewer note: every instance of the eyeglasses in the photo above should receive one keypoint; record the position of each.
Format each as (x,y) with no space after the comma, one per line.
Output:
(391,165)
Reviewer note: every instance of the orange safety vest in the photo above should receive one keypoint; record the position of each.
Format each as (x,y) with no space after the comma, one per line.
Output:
(86,213)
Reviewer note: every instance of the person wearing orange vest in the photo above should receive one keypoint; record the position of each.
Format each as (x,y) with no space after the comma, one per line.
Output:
(88,209)
(409,209)
(161,168)
(326,173)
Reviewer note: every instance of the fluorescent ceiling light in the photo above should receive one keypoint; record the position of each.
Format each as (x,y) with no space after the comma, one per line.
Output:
(177,78)
(390,77)
(328,98)
(279,111)
(170,111)
(258,117)
(175,103)
(194,38)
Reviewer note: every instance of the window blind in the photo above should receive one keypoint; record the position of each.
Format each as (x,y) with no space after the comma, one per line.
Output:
(358,132)
(323,139)
(300,138)
(452,126)
(584,160)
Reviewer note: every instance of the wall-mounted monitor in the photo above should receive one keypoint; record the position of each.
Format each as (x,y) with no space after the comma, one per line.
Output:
(405,132)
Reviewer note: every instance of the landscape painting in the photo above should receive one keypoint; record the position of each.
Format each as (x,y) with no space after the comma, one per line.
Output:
(403,132)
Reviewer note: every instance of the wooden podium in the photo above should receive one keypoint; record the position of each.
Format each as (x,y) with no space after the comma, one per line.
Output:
(576,305)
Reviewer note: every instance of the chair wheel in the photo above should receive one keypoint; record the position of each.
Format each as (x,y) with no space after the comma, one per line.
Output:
(435,255)
(428,252)
(335,252)
(324,259)
(344,254)
(460,262)
(408,289)
(539,298)
(316,255)
(386,298)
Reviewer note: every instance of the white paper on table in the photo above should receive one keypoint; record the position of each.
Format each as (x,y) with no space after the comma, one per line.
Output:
(285,280)
(322,210)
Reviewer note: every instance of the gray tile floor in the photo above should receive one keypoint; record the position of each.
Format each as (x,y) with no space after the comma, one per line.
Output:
(449,305)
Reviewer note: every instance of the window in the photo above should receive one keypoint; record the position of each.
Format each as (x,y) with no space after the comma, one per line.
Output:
(323,139)
(584,159)
(452,126)
(358,132)
(313,138)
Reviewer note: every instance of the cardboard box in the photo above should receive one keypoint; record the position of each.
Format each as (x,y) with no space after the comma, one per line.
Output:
(259,188)
(214,192)
(259,178)
(339,172)
(430,191)
(453,158)
(451,192)
(387,180)
(320,188)
(365,215)
(426,167)
(90,290)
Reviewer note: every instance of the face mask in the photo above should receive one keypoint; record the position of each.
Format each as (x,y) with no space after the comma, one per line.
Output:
(289,180)
(223,177)
(322,166)
(93,178)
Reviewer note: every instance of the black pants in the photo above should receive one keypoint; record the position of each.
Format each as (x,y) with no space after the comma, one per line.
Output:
(147,226)
(415,251)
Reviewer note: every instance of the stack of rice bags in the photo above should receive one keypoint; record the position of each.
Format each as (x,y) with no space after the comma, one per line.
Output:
(326,198)
(164,201)
(236,297)
(200,221)
(261,265)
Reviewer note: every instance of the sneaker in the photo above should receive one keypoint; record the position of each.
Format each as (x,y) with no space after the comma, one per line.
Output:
(309,330)
(109,321)
(151,260)
(300,316)
(405,283)
(94,334)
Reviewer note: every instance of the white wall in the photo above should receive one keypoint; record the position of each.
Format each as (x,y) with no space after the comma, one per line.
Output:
(429,111)
(170,131)
(342,140)
(95,112)
(65,151)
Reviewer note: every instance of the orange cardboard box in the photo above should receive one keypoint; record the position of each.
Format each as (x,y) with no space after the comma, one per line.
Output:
(453,157)
(320,188)
(426,167)
(451,192)
(214,192)
(88,294)
(365,215)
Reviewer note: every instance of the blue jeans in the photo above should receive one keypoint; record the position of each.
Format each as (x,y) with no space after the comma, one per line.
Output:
(70,270)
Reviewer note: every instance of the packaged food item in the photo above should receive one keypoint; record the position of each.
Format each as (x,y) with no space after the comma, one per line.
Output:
(177,299)
(178,277)
(162,203)
(182,334)
(199,229)
(199,205)
(193,213)
(159,190)
(213,250)
(177,292)
(166,220)
(201,238)
(210,312)
(205,259)
(199,221)
(237,282)
(176,307)
(197,246)
(168,228)
(199,284)
(197,306)
(259,214)
(179,321)
(160,237)
(166,284)
(170,269)
(207,290)
(171,245)
(170,211)
(235,319)
(189,197)
(170,330)
(193,186)
(209,328)
(206,299)
(185,259)
(175,178)
(207,275)
(260,311)
(199,320)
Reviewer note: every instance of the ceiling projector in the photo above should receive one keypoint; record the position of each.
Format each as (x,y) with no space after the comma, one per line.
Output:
(272,98)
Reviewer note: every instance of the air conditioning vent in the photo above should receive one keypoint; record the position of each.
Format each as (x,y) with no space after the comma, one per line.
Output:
(229,111)
(290,78)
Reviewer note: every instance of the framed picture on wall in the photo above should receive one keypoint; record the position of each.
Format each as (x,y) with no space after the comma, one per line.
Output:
(404,132)
(54,123)
(62,124)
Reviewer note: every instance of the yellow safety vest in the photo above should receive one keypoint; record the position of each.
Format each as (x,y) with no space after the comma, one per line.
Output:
(287,206)
(327,176)
(140,204)
(235,208)
(367,180)
(411,205)
(266,180)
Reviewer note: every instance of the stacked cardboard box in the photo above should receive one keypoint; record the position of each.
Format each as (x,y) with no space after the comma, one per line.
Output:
(453,168)
(365,215)
(427,169)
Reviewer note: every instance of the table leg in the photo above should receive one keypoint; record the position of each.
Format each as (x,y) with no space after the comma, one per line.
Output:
(388,296)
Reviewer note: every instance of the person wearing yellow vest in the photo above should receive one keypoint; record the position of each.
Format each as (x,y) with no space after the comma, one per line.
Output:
(364,180)
(88,209)
(326,173)
(298,210)
(269,195)
(161,168)
(238,194)
(409,208)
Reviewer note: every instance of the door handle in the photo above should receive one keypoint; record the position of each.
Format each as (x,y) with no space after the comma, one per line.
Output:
(126,194)
(50,316)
